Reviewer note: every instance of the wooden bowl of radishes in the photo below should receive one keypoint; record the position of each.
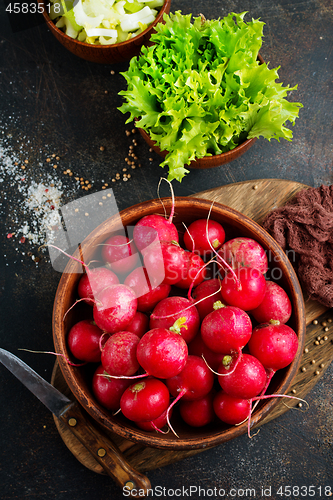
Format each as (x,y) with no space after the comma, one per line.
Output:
(185,330)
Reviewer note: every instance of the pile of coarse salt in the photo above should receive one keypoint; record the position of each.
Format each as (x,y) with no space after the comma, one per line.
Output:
(43,201)
(33,209)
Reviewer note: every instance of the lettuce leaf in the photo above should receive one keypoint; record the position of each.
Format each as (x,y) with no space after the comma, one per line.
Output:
(200,89)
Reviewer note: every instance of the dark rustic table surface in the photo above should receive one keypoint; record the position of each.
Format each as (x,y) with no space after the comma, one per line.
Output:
(59,110)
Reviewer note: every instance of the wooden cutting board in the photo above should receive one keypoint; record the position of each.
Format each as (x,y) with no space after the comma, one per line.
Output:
(254,199)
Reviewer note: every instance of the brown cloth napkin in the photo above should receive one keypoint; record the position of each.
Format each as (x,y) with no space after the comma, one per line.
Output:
(304,226)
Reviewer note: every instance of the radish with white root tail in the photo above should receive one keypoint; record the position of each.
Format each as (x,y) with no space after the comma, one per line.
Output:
(108,391)
(193,382)
(84,341)
(114,308)
(119,354)
(145,400)
(246,381)
(155,425)
(227,329)
(178,315)
(244,288)
(197,347)
(120,254)
(275,305)
(194,273)
(147,294)
(275,345)
(244,252)
(205,295)
(139,324)
(202,235)
(199,412)
(162,353)
(93,281)
(230,409)
(153,228)
(166,261)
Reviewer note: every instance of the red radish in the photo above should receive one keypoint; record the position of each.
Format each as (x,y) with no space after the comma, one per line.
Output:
(148,301)
(193,382)
(199,412)
(247,292)
(205,295)
(152,228)
(275,345)
(246,381)
(227,329)
(119,354)
(275,305)
(138,280)
(93,281)
(83,341)
(194,273)
(139,324)
(197,347)
(230,409)
(148,295)
(177,314)
(166,262)
(202,235)
(108,391)
(156,424)
(145,400)
(244,252)
(120,254)
(115,308)
(162,353)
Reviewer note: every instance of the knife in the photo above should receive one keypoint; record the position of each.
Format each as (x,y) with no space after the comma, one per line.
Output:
(99,445)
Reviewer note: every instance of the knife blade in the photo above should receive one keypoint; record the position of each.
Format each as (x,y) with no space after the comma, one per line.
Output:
(53,399)
(70,413)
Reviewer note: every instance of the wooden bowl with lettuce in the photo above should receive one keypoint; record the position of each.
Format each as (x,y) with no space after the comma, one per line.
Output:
(201,94)
(100,31)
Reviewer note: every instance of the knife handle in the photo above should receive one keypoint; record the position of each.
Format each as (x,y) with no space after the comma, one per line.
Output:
(104,451)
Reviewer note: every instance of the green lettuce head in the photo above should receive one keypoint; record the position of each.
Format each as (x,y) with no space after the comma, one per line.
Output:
(200,89)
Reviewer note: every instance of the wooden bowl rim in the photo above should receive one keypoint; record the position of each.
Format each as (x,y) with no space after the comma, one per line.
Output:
(149,439)
(207,161)
(105,48)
